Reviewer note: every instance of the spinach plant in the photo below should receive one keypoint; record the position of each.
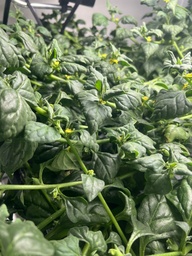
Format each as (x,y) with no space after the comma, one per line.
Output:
(95,135)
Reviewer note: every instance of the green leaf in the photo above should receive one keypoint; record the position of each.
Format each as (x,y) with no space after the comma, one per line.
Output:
(171,104)
(128,100)
(22,85)
(45,32)
(149,49)
(27,41)
(36,208)
(68,246)
(88,141)
(40,67)
(99,19)
(158,183)
(95,113)
(72,68)
(23,239)
(95,239)
(128,19)
(133,150)
(19,151)
(155,213)
(14,114)
(150,3)
(3,212)
(41,133)
(172,5)
(92,186)
(105,165)
(174,132)
(122,33)
(64,160)
(81,212)
(9,54)
(173,30)
(153,162)
(181,199)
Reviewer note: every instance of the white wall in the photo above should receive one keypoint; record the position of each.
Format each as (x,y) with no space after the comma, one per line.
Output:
(131,7)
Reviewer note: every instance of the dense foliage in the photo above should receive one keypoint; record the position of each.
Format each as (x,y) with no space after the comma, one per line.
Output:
(95,135)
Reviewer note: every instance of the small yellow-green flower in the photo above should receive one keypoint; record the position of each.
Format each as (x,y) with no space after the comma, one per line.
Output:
(68,130)
(166,1)
(189,75)
(185,86)
(145,98)
(103,56)
(113,61)
(67,77)
(102,101)
(55,64)
(148,39)
(91,172)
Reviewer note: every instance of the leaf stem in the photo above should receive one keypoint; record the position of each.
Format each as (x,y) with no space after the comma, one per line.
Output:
(185,117)
(51,218)
(168,254)
(113,219)
(40,111)
(57,78)
(39,187)
(177,48)
(85,249)
(82,165)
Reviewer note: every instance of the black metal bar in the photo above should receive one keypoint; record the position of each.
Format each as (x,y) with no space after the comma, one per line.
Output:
(33,12)
(70,15)
(6,11)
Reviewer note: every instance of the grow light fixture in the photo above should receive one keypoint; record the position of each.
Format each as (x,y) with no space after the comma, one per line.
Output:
(63,5)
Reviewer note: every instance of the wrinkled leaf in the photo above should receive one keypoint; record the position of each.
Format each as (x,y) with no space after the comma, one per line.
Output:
(92,186)
(171,104)
(41,133)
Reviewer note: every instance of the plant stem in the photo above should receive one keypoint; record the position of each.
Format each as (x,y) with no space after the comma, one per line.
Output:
(185,117)
(113,219)
(110,104)
(178,50)
(85,249)
(102,141)
(83,167)
(168,254)
(40,111)
(39,187)
(51,218)
(57,78)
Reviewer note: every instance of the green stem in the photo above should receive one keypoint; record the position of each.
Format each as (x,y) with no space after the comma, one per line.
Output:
(40,111)
(85,249)
(177,48)
(57,78)
(168,254)
(44,193)
(83,167)
(188,249)
(126,175)
(112,217)
(102,141)
(40,187)
(51,218)
(185,117)
(110,104)
(36,83)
